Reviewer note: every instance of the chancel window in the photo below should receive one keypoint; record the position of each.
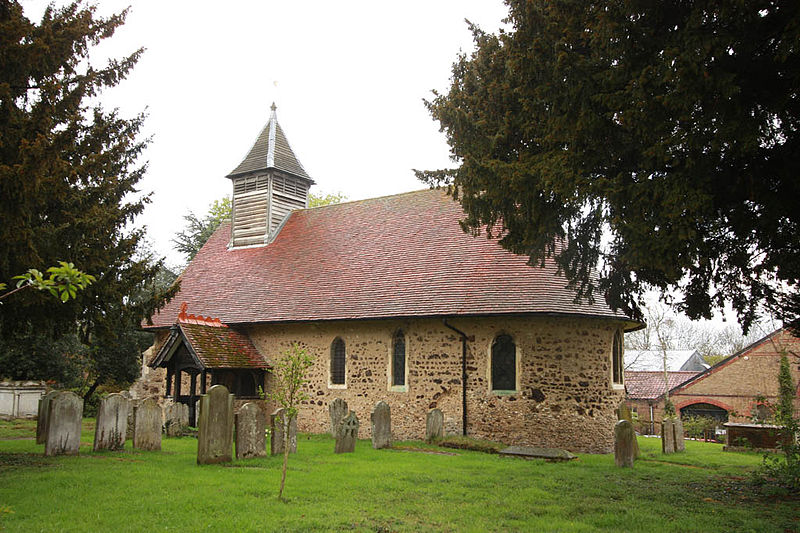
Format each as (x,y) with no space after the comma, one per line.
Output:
(504,363)
(337,362)
(399,359)
(617,358)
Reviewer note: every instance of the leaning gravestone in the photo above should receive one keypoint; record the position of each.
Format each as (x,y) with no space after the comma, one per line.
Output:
(147,426)
(668,435)
(175,424)
(41,419)
(381,419)
(434,425)
(250,426)
(112,423)
(680,444)
(64,415)
(277,425)
(338,409)
(624,444)
(215,427)
(347,434)
(624,413)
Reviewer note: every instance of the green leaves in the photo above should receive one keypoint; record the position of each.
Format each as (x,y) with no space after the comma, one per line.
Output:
(64,281)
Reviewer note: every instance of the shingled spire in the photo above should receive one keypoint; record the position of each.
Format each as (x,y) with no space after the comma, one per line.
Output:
(268,184)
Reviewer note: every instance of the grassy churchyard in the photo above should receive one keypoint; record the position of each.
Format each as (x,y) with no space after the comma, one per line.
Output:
(415,488)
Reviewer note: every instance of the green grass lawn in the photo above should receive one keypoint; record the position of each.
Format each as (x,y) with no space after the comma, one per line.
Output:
(700,490)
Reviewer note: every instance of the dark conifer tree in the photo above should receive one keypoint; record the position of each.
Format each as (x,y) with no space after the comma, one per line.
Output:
(658,139)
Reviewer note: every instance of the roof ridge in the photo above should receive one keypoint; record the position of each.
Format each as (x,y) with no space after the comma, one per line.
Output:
(417,191)
(186,318)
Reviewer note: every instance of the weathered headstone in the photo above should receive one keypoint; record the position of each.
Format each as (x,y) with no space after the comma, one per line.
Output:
(277,425)
(132,403)
(381,419)
(624,413)
(215,427)
(41,419)
(250,426)
(147,426)
(347,434)
(338,409)
(64,414)
(624,444)
(112,423)
(177,419)
(680,444)
(434,425)
(668,435)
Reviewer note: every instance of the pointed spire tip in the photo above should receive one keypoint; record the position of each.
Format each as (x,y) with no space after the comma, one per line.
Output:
(273,107)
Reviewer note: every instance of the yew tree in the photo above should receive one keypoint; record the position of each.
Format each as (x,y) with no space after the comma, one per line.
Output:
(657,140)
(68,179)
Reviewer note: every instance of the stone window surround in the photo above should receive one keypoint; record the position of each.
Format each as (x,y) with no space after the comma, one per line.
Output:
(620,385)
(389,361)
(332,385)
(517,366)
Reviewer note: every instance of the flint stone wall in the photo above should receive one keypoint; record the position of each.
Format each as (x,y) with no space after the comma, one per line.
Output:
(564,399)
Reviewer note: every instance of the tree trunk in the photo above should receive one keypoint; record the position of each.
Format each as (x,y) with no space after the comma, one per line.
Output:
(285,422)
(91,390)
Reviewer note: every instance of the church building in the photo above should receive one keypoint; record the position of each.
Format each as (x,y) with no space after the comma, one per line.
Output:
(394,302)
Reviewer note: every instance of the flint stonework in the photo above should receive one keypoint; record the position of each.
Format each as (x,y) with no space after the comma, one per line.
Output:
(277,425)
(338,410)
(434,425)
(381,420)
(64,414)
(624,444)
(112,423)
(680,444)
(668,436)
(251,424)
(347,434)
(41,419)
(215,427)
(147,426)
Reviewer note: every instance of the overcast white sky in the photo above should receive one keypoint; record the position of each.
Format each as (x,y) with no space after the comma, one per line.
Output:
(350,78)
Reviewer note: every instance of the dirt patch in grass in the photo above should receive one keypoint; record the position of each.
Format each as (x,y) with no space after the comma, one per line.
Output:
(739,489)
(9,461)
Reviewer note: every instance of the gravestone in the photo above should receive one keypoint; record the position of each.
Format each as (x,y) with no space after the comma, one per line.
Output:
(132,418)
(624,444)
(347,434)
(41,419)
(624,413)
(147,426)
(250,426)
(64,414)
(112,423)
(277,425)
(668,435)
(338,409)
(434,425)
(215,427)
(381,420)
(680,444)
(177,419)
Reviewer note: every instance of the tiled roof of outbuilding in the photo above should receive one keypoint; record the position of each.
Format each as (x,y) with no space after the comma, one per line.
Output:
(396,256)
(222,347)
(271,151)
(650,385)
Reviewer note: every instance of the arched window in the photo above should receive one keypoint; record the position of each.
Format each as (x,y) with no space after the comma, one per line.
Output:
(399,359)
(504,363)
(617,358)
(337,362)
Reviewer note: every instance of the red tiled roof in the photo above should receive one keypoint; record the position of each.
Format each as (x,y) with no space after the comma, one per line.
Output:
(396,256)
(221,346)
(650,385)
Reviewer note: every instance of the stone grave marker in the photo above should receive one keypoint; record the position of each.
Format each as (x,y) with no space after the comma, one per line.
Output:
(176,419)
(64,414)
(338,409)
(251,424)
(624,444)
(215,427)
(668,435)
(277,424)
(680,444)
(347,434)
(41,419)
(112,423)
(147,426)
(434,425)
(381,420)
(624,413)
